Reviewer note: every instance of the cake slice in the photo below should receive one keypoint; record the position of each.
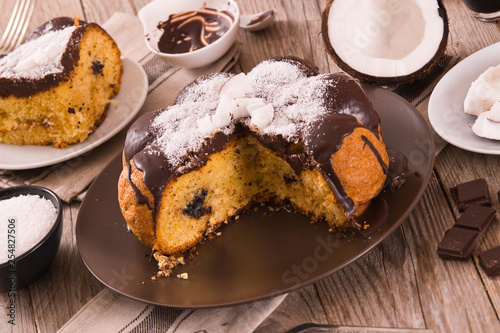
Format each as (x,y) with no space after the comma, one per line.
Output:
(55,88)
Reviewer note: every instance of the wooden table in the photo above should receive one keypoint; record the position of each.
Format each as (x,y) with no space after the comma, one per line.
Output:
(401,283)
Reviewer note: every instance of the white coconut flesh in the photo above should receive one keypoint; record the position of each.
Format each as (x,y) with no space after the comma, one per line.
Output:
(385,38)
(483,92)
(483,100)
(487,124)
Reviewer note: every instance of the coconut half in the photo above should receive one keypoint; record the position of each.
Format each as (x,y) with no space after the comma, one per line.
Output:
(385,42)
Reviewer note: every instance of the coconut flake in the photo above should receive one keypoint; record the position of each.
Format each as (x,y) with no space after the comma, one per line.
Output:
(38,57)
(261,115)
(276,97)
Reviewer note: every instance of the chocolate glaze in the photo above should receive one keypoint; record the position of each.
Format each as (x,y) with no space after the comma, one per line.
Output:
(189,31)
(323,141)
(375,152)
(137,139)
(55,24)
(397,167)
(345,95)
(26,87)
(324,138)
(305,66)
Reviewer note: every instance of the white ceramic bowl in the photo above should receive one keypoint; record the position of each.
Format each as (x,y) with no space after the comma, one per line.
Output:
(159,10)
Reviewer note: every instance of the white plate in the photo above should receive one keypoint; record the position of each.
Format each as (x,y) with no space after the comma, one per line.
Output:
(128,103)
(446,110)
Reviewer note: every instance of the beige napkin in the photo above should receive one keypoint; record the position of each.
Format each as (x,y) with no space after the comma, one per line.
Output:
(112,312)
(71,178)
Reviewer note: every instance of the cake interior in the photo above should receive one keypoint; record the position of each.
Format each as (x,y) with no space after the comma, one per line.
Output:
(244,173)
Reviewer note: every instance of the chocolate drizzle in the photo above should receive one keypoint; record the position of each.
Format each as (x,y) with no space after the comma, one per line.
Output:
(375,152)
(345,95)
(56,24)
(138,138)
(189,31)
(323,141)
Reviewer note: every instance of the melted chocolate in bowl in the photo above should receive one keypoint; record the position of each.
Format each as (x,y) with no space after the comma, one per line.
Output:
(189,31)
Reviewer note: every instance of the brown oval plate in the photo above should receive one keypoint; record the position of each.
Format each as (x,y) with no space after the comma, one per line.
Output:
(260,255)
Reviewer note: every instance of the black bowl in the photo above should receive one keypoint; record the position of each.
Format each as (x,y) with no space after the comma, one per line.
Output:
(33,263)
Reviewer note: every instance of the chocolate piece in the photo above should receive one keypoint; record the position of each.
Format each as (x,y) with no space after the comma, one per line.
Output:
(490,261)
(476,217)
(474,192)
(458,243)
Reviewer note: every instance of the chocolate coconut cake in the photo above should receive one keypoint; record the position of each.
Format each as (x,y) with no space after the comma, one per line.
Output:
(56,87)
(282,133)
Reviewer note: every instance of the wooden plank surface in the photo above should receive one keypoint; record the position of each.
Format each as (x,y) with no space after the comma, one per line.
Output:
(400,283)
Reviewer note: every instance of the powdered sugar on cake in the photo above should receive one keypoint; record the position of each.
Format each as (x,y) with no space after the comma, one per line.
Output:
(280,100)
(38,57)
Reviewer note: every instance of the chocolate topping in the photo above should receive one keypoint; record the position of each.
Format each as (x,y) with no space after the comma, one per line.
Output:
(345,108)
(323,141)
(24,87)
(345,95)
(55,24)
(193,30)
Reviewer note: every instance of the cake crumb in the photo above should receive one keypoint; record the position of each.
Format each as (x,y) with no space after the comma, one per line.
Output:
(166,263)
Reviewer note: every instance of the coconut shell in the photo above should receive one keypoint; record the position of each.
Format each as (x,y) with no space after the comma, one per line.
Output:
(386,80)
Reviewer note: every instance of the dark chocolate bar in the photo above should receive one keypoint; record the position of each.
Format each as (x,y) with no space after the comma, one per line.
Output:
(476,217)
(490,261)
(458,243)
(474,192)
